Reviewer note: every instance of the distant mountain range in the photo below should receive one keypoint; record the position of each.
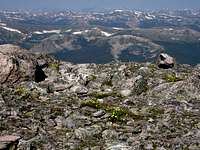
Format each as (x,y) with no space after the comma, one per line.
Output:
(97,37)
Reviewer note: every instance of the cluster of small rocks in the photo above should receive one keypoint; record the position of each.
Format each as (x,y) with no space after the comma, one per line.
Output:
(116,106)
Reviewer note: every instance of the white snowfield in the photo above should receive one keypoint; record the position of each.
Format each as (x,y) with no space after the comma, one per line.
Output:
(106,33)
(69,30)
(80,32)
(47,31)
(2,24)
(11,29)
(86,31)
(52,31)
(74,33)
(118,10)
(116,28)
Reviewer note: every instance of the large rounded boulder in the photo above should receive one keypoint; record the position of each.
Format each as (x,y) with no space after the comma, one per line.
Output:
(17,64)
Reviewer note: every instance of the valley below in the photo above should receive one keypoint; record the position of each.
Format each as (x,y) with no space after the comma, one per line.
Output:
(102,37)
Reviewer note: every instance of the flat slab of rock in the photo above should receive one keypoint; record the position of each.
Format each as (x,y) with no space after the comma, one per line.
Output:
(9,138)
(9,142)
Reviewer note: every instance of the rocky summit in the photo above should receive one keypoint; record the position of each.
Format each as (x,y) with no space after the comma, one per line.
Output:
(115,106)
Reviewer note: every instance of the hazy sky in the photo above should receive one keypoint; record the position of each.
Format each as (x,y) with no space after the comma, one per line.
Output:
(98,4)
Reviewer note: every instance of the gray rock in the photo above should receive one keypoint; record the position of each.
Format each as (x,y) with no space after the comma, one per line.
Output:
(165,61)
(125,92)
(84,133)
(110,135)
(79,89)
(80,133)
(118,146)
(140,85)
(99,113)
(69,123)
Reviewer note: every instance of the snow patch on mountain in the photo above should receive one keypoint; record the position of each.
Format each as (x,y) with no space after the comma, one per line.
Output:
(69,30)
(38,32)
(106,33)
(77,33)
(2,24)
(47,31)
(11,29)
(118,10)
(115,28)
(80,32)
(52,31)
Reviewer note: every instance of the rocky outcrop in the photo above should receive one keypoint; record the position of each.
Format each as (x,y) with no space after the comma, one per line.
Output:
(17,64)
(111,106)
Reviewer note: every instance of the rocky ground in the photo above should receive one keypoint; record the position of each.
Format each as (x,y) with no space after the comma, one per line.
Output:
(116,106)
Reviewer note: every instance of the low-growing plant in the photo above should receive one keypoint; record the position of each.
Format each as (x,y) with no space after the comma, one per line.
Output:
(171,78)
(91,103)
(117,113)
(54,65)
(21,91)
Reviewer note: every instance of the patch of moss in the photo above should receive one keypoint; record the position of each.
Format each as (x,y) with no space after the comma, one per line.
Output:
(153,67)
(91,103)
(26,94)
(23,94)
(93,78)
(117,113)
(20,91)
(171,78)
(54,65)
